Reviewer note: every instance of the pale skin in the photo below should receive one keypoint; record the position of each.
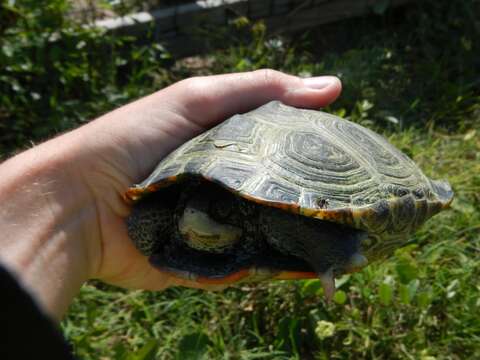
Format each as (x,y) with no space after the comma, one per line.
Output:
(63,215)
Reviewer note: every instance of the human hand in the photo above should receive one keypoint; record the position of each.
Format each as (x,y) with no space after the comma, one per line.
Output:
(136,137)
(100,160)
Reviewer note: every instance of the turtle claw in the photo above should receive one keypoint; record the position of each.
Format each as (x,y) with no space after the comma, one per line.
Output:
(356,262)
(328,283)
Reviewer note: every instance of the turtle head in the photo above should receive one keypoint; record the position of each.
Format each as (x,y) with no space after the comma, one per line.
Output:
(201,230)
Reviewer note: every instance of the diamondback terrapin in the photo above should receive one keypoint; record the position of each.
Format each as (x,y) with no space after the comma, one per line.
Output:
(283,193)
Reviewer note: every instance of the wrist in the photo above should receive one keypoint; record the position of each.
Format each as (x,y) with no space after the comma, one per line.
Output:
(47,219)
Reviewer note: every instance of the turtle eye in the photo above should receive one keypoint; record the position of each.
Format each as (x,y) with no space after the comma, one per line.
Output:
(221,207)
(221,210)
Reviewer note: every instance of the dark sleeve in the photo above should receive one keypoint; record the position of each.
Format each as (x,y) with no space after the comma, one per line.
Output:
(26,332)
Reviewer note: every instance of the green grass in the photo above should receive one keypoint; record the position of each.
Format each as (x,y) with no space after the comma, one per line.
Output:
(411,74)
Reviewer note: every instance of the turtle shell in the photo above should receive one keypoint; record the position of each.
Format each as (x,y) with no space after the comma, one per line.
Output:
(310,163)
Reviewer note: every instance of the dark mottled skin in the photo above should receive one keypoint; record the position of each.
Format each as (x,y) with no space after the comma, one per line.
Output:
(148,224)
(322,244)
(271,237)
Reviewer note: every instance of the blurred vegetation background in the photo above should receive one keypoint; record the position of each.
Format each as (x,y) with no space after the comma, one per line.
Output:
(411,73)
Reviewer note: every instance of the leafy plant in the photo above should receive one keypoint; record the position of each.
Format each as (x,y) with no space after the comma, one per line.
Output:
(56,74)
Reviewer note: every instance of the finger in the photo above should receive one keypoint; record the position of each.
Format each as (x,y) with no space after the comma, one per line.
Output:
(214,98)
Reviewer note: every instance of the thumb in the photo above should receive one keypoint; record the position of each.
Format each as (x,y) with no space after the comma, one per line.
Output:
(214,98)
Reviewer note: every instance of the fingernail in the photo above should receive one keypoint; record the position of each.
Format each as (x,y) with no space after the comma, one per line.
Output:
(320,82)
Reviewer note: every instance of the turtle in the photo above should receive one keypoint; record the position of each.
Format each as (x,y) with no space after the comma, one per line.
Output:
(280,193)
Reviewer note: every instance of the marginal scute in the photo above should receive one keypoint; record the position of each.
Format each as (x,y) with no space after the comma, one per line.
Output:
(421,208)
(403,214)
(376,218)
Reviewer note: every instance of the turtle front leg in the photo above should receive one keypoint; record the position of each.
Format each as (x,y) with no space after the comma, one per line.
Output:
(330,249)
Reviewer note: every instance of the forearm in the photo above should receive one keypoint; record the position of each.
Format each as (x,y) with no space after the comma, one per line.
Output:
(44,217)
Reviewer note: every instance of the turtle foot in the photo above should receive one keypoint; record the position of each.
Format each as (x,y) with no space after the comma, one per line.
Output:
(356,263)
(328,283)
